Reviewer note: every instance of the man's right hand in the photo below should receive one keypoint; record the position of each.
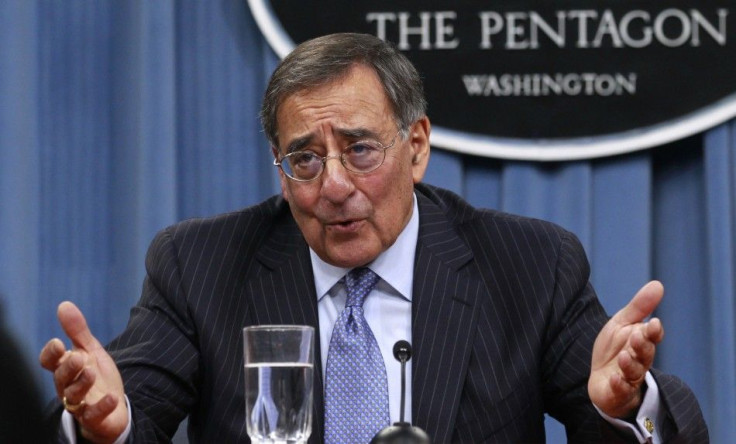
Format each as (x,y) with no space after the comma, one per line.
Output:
(86,375)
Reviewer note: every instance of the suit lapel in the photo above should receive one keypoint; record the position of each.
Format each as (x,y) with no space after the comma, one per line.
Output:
(284,294)
(443,321)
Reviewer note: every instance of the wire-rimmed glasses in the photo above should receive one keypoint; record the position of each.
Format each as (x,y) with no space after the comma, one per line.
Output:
(360,157)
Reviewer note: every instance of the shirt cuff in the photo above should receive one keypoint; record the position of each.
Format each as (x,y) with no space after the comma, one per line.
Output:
(648,419)
(67,424)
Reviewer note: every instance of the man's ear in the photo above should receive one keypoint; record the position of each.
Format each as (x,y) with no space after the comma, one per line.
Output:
(419,142)
(282,176)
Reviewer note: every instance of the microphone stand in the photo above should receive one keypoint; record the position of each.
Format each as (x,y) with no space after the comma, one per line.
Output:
(401,432)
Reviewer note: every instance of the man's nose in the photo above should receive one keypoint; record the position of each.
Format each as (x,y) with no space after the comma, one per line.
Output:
(336,181)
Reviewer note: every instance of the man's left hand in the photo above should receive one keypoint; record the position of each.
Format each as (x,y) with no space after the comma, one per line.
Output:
(623,353)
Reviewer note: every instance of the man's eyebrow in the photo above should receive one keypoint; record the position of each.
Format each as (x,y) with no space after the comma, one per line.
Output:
(299,143)
(357,133)
(348,133)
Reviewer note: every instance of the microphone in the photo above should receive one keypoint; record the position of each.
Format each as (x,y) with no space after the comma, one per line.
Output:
(402,353)
(401,432)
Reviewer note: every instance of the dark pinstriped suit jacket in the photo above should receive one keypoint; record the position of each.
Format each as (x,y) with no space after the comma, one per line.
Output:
(503,324)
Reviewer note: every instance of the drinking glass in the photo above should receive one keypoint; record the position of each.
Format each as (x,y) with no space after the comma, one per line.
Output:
(279,366)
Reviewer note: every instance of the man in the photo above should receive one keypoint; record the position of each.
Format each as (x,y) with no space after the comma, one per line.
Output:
(503,321)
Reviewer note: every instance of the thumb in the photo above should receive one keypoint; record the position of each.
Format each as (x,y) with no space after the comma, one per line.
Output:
(75,326)
(642,304)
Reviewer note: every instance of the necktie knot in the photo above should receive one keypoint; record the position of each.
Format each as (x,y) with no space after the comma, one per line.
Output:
(360,282)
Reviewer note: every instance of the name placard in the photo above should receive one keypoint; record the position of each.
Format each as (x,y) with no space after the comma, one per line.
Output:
(545,80)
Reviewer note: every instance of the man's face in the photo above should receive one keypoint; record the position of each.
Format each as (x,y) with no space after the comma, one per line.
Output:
(348,218)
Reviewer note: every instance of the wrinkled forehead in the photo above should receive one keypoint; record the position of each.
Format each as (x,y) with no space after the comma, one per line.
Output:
(353,101)
(326,84)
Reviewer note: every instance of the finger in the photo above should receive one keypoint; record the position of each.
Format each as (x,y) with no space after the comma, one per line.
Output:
(642,304)
(75,326)
(632,370)
(619,386)
(642,347)
(95,413)
(626,396)
(68,371)
(51,354)
(654,330)
(76,392)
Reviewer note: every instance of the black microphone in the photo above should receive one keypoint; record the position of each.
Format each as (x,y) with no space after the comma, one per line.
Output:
(402,353)
(401,432)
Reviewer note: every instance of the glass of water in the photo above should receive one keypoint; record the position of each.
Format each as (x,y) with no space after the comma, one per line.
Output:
(279,366)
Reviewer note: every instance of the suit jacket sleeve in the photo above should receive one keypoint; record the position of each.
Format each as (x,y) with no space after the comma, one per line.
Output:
(157,353)
(526,317)
(181,354)
(569,346)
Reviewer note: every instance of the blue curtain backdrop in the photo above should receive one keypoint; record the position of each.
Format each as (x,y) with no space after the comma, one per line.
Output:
(119,118)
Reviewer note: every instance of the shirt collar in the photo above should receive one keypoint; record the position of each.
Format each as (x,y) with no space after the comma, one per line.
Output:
(395,265)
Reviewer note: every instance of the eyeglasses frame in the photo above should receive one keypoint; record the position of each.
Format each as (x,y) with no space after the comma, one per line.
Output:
(278,161)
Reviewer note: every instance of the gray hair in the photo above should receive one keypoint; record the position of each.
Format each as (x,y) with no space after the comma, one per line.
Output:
(325,59)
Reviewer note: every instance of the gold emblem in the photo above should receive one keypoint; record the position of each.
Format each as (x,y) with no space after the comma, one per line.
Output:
(649,425)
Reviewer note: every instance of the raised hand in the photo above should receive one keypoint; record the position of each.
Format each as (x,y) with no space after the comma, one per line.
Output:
(623,352)
(86,379)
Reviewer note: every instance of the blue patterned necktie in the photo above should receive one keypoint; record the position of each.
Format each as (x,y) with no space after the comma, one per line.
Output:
(356,388)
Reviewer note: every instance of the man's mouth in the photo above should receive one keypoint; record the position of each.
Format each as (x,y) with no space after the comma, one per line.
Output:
(345,226)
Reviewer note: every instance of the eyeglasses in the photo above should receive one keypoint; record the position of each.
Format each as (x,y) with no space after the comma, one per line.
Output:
(359,157)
